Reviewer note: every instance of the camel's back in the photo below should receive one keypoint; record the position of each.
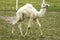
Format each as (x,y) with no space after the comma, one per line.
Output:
(27,9)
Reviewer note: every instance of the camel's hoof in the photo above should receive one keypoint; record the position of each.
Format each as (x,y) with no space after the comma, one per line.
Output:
(42,36)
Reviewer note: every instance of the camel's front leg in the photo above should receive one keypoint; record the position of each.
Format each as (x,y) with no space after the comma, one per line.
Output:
(38,23)
(29,26)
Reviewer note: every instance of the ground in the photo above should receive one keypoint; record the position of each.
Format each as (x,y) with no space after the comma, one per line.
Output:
(50,22)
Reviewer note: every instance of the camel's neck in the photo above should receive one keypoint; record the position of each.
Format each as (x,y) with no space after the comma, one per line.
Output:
(42,12)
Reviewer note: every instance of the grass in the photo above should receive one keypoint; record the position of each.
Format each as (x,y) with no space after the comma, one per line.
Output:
(50,22)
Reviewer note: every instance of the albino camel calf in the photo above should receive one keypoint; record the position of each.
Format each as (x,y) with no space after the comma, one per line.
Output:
(27,11)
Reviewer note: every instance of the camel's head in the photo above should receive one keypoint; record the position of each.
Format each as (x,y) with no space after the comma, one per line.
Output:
(44,5)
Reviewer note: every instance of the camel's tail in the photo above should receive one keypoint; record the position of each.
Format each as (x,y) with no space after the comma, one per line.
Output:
(12,20)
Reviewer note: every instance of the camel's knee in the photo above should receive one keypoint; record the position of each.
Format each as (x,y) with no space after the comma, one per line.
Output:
(29,28)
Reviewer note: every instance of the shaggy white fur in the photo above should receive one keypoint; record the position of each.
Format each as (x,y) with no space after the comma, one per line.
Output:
(28,11)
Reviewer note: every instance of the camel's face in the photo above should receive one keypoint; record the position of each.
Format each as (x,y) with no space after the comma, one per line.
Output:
(45,5)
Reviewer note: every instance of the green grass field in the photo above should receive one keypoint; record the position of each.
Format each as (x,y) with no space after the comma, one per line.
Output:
(50,22)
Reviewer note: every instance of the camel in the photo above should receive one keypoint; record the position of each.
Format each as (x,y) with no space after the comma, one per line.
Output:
(27,11)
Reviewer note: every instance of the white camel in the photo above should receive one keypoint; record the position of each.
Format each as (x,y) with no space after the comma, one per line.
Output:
(27,11)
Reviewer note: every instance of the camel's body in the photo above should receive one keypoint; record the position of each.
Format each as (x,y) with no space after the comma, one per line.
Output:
(29,11)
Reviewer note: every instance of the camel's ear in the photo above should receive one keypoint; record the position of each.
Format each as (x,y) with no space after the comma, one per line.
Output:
(43,1)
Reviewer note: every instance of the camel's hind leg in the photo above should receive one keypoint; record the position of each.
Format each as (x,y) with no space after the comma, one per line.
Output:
(20,27)
(12,30)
